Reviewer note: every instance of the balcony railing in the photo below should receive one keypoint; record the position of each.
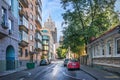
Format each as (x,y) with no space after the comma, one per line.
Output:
(38,36)
(23,25)
(24,3)
(23,39)
(38,46)
(38,2)
(38,10)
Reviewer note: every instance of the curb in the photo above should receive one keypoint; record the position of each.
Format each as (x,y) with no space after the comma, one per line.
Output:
(90,74)
(115,72)
(11,72)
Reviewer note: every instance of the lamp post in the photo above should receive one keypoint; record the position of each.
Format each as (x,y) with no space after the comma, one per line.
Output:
(69,52)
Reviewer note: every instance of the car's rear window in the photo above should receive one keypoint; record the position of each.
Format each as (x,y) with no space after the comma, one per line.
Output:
(74,60)
(66,59)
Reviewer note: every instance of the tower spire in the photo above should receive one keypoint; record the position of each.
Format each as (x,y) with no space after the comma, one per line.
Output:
(49,18)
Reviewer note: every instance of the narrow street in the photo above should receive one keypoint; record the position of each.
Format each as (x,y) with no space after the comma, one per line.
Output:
(54,71)
(57,71)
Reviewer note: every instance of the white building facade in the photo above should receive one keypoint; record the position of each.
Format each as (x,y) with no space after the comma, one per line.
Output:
(105,50)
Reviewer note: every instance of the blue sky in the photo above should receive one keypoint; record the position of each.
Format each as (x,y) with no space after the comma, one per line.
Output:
(53,7)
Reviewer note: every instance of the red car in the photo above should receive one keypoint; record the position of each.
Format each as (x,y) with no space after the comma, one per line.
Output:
(73,64)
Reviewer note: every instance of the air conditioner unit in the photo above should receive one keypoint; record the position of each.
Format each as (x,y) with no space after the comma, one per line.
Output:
(10,32)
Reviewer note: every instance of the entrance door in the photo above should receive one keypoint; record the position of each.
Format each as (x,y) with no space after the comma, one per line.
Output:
(10,58)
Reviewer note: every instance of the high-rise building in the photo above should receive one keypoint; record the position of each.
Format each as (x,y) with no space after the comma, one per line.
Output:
(8,35)
(30,45)
(51,26)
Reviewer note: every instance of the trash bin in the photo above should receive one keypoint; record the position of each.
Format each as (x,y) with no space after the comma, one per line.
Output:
(30,65)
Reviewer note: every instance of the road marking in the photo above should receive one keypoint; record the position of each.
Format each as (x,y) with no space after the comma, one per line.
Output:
(72,76)
(112,77)
(21,78)
(43,71)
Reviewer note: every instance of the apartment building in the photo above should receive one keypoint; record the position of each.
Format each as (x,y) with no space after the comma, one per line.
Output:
(47,41)
(8,35)
(105,50)
(30,45)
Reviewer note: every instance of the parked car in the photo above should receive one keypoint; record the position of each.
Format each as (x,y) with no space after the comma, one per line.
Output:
(44,62)
(66,61)
(73,64)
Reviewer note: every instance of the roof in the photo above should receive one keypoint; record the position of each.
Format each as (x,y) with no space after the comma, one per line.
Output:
(106,33)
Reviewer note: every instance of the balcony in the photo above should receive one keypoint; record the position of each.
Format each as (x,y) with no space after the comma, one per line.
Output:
(24,3)
(38,20)
(3,30)
(38,2)
(23,25)
(23,13)
(45,43)
(38,10)
(23,39)
(4,25)
(38,46)
(38,37)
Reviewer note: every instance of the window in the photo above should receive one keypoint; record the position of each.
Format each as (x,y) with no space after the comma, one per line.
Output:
(10,22)
(20,52)
(35,27)
(45,42)
(109,47)
(26,52)
(31,6)
(31,48)
(9,2)
(4,16)
(45,37)
(45,31)
(31,16)
(25,22)
(118,46)
(45,47)
(24,36)
(103,53)
(31,37)
(31,27)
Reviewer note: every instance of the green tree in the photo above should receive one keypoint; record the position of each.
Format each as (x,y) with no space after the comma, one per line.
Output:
(86,19)
(61,52)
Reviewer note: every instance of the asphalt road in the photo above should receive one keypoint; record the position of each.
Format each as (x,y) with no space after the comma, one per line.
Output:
(54,71)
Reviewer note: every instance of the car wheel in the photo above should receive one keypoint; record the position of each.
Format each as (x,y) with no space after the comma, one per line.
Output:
(69,69)
(78,69)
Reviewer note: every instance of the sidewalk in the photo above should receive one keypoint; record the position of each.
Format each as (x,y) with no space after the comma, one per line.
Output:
(12,71)
(99,74)
(113,70)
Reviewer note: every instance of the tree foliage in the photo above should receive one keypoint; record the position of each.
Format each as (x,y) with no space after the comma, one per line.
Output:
(86,19)
(61,52)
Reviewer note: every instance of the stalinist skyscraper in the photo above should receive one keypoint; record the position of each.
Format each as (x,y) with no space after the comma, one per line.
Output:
(49,24)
